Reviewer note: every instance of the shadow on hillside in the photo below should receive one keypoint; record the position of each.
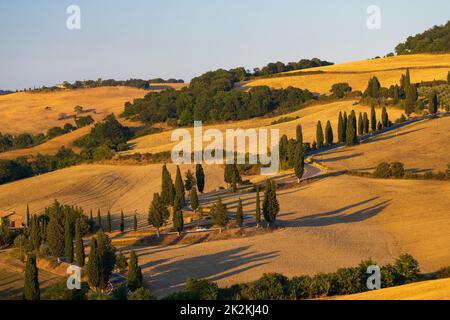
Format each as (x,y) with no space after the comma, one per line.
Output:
(350,156)
(338,216)
(391,136)
(172,276)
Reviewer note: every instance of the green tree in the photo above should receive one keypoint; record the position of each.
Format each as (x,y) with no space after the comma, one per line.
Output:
(360,124)
(108,222)
(200,177)
(366,123)
(31,289)
(134,276)
(34,236)
(135,223)
(352,137)
(106,257)
(373,119)
(122,221)
(339,90)
(271,207)
(68,240)
(79,245)
(55,230)
(167,188)
(99,220)
(234,180)
(319,135)
(344,123)
(329,137)
(91,222)
(299,162)
(299,134)
(258,208)
(180,200)
(189,182)
(341,131)
(178,221)
(384,118)
(219,214)
(93,267)
(194,199)
(158,213)
(28,216)
(433,103)
(239,214)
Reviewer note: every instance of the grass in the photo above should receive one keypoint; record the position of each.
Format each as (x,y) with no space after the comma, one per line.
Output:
(388,70)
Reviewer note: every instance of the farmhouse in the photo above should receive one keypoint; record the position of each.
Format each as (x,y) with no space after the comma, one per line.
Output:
(11,220)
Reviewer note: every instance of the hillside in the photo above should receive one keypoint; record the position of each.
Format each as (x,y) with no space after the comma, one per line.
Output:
(26,112)
(436,39)
(424,67)
(428,290)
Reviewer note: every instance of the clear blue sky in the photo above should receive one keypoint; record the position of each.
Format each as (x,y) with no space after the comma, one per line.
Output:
(183,38)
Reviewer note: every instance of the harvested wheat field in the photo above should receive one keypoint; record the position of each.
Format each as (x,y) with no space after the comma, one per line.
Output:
(28,112)
(308,118)
(424,67)
(336,222)
(428,290)
(420,146)
(104,187)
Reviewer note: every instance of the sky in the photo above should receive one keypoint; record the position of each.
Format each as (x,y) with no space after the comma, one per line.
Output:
(146,39)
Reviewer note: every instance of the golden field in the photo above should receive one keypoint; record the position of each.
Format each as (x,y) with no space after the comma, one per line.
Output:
(25,112)
(428,290)
(421,146)
(308,118)
(424,67)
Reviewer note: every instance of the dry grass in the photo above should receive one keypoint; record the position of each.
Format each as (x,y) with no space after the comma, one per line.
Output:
(308,119)
(388,70)
(25,112)
(420,146)
(428,290)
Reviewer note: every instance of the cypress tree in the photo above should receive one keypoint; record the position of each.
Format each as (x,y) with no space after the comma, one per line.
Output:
(106,257)
(134,276)
(194,199)
(28,216)
(35,236)
(341,135)
(179,192)
(366,123)
(79,245)
(135,223)
(352,138)
(299,134)
(239,214)
(167,188)
(360,124)
(319,135)
(385,118)
(234,181)
(345,120)
(158,213)
(31,289)
(219,214)
(108,222)
(68,240)
(91,222)
(228,174)
(178,221)
(433,103)
(373,119)
(122,221)
(271,206)
(299,162)
(329,137)
(93,267)
(55,231)
(448,77)
(258,208)
(99,220)
(200,177)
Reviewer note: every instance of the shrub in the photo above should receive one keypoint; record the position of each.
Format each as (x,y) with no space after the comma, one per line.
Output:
(272,286)
(120,293)
(141,294)
(201,289)
(300,287)
(397,170)
(59,291)
(321,285)
(383,171)
(389,276)
(407,268)
(443,273)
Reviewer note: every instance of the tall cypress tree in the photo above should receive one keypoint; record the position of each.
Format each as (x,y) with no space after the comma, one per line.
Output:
(178,221)
(108,222)
(299,162)
(329,137)
(122,221)
(134,276)
(79,245)
(167,188)
(433,103)
(341,131)
(31,289)
(68,240)
(360,124)
(158,213)
(106,257)
(179,192)
(384,118)
(352,138)
(200,177)
(271,207)
(258,208)
(194,199)
(93,267)
(319,135)
(234,181)
(35,236)
(135,223)
(28,216)
(55,230)
(373,119)
(99,220)
(239,214)
(366,123)
(91,222)
(299,134)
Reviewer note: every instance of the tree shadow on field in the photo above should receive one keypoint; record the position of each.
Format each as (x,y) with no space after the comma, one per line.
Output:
(391,136)
(338,216)
(170,277)
(350,156)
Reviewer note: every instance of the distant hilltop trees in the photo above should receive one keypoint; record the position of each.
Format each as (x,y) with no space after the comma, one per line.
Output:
(278,67)
(434,40)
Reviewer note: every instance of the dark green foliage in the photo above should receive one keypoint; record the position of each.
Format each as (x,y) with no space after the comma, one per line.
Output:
(28,215)
(178,221)
(189,182)
(158,213)
(93,267)
(373,88)
(340,90)
(141,294)
(200,177)
(258,208)
(373,119)
(397,170)
(196,290)
(180,200)
(411,99)
(55,230)
(271,286)
(329,134)
(193,197)
(106,257)
(230,171)
(366,123)
(434,40)
(219,214)
(319,135)
(384,118)
(79,245)
(407,268)
(134,276)
(108,222)
(383,171)
(34,234)
(360,124)
(443,273)
(60,292)
(99,220)
(167,189)
(299,161)
(278,67)
(68,240)
(121,262)
(299,134)
(352,137)
(271,207)
(341,131)
(83,121)
(122,221)
(31,289)
(239,214)
(135,223)
(433,104)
